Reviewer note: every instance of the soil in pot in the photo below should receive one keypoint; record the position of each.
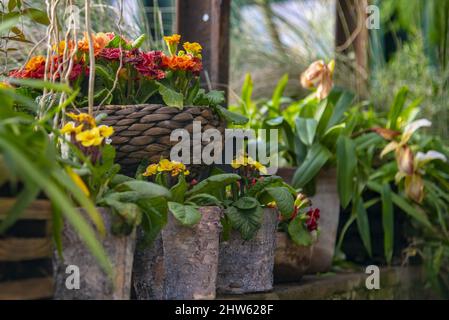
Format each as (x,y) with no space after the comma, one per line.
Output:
(291,261)
(191,256)
(247,266)
(95,284)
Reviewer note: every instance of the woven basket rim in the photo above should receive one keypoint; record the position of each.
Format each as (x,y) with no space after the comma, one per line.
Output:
(125,106)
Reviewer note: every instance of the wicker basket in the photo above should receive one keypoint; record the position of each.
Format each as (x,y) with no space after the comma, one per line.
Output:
(143,131)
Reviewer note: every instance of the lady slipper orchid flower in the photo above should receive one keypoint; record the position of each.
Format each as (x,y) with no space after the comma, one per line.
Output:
(320,76)
(404,155)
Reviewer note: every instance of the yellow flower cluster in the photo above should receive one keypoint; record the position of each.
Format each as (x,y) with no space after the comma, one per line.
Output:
(92,136)
(244,161)
(193,48)
(165,165)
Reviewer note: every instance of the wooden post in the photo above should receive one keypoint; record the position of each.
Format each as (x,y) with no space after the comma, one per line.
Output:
(352,36)
(207,22)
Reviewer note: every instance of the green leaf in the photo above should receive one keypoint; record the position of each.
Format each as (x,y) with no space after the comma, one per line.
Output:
(171,97)
(25,198)
(343,104)
(139,41)
(396,108)
(316,158)
(154,218)
(284,200)
(306,129)
(231,117)
(363,224)
(247,222)
(402,203)
(204,199)
(264,183)
(246,203)
(144,189)
(11,5)
(38,16)
(299,233)
(178,191)
(40,84)
(213,183)
(346,167)
(278,92)
(187,215)
(215,97)
(388,222)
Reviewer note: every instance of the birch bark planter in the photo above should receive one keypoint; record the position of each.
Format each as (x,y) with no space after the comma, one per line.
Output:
(94,283)
(247,266)
(191,257)
(327,200)
(291,261)
(26,249)
(148,270)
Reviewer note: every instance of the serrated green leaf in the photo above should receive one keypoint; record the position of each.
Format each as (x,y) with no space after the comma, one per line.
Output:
(299,233)
(187,215)
(247,222)
(171,98)
(284,200)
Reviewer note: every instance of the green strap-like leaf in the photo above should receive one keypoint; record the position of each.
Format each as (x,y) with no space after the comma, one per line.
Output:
(363,224)
(316,158)
(346,166)
(388,222)
(306,129)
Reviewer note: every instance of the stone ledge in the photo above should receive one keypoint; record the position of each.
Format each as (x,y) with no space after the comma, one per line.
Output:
(400,283)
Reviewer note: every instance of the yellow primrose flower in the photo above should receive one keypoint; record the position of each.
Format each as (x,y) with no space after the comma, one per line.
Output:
(71,128)
(83,118)
(262,169)
(173,39)
(271,204)
(90,137)
(239,162)
(151,170)
(106,131)
(194,48)
(172,43)
(165,165)
(178,168)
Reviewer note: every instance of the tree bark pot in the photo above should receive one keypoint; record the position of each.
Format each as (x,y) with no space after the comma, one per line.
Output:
(191,257)
(95,284)
(327,200)
(247,266)
(148,270)
(291,261)
(142,132)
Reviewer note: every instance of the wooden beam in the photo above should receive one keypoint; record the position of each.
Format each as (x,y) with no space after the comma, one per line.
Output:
(27,289)
(352,36)
(207,22)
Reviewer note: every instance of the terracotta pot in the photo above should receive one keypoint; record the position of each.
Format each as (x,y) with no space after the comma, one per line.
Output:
(291,261)
(95,284)
(191,256)
(142,132)
(327,200)
(148,270)
(26,249)
(247,266)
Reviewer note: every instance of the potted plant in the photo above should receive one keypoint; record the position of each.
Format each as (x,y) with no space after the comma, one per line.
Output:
(191,237)
(310,130)
(295,240)
(250,223)
(123,203)
(145,95)
(37,193)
